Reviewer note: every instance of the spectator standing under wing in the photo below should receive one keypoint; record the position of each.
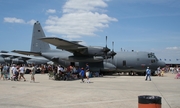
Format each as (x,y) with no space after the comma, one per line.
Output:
(82,74)
(87,73)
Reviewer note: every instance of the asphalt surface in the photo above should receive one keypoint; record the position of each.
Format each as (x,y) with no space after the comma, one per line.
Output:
(102,92)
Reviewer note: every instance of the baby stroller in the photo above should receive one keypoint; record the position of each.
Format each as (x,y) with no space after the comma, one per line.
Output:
(15,77)
(177,75)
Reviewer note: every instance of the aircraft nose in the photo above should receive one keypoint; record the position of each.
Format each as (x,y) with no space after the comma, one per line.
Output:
(161,64)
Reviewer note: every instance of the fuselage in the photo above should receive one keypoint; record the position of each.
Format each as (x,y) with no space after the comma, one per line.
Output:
(135,61)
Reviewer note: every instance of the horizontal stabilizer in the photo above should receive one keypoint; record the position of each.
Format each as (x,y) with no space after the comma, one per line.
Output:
(27,53)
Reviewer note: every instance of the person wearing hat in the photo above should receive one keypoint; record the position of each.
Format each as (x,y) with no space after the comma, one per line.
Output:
(148,74)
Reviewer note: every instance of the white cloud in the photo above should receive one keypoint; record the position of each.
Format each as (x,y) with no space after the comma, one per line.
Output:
(147,1)
(51,11)
(16,20)
(13,20)
(173,48)
(80,18)
(83,6)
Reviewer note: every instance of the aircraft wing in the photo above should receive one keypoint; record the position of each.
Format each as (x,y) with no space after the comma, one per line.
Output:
(27,53)
(71,46)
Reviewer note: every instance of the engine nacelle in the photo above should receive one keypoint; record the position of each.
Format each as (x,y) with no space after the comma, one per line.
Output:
(95,51)
(85,59)
(16,61)
(7,58)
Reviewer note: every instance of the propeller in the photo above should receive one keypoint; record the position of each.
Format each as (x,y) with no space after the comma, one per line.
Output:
(112,53)
(106,49)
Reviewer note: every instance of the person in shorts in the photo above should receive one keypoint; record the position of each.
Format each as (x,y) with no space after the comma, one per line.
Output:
(21,72)
(33,71)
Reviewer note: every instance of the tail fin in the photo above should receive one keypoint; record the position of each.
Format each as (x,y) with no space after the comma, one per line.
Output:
(36,44)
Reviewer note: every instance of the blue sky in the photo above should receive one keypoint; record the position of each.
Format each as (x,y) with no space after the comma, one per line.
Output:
(140,25)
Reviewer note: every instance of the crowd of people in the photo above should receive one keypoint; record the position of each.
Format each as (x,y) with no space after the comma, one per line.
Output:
(70,73)
(160,72)
(16,72)
(173,70)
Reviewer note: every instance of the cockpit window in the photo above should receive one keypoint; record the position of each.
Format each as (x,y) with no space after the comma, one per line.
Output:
(152,55)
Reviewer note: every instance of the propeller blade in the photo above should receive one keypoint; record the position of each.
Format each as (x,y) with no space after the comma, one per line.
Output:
(106,49)
(113,45)
(106,41)
(112,52)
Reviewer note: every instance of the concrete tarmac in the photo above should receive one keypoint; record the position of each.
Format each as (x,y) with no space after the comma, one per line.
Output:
(102,92)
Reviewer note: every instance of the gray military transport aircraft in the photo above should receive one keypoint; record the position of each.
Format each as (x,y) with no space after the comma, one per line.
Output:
(132,62)
(99,58)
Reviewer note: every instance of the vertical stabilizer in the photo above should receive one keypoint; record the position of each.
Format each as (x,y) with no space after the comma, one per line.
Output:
(36,44)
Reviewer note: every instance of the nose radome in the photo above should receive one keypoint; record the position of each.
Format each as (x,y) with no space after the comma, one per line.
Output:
(161,64)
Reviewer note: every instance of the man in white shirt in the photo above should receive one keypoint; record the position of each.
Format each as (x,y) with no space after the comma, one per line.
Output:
(13,72)
(22,71)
